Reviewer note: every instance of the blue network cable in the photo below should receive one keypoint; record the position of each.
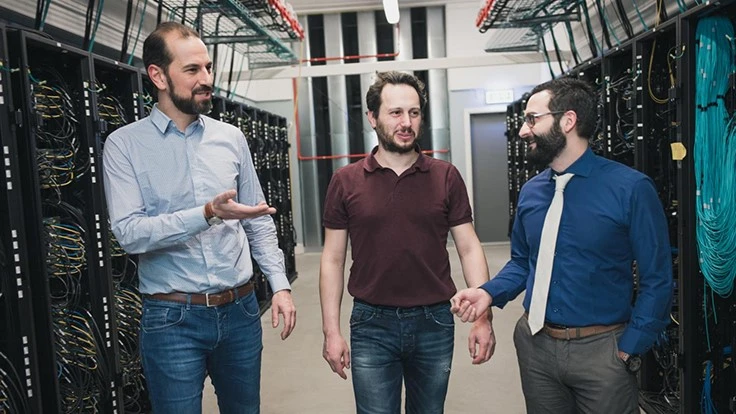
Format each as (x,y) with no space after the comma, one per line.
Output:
(706,402)
(715,154)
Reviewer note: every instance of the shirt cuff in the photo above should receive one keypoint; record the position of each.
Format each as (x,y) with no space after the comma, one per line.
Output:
(498,299)
(278,282)
(194,221)
(636,341)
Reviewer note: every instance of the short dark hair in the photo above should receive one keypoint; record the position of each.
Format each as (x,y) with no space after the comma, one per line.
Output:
(373,96)
(155,51)
(571,94)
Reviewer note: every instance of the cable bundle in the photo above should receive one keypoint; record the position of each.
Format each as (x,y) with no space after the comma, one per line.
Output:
(715,155)
(66,259)
(621,91)
(57,146)
(109,109)
(80,361)
(12,399)
(128,309)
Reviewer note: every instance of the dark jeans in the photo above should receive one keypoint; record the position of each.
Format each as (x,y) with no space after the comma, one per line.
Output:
(181,344)
(578,376)
(394,344)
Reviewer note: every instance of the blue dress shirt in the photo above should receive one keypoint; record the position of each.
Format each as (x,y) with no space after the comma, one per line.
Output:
(611,216)
(157,181)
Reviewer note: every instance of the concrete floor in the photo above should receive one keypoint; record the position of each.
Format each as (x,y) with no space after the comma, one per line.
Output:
(296,380)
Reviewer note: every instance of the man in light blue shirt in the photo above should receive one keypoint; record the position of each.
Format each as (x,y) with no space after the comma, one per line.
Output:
(183,194)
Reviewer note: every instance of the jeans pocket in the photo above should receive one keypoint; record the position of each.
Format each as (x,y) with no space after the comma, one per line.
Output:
(158,318)
(249,306)
(443,317)
(360,316)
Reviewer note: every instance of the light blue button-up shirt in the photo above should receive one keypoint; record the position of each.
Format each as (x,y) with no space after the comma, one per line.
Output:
(157,181)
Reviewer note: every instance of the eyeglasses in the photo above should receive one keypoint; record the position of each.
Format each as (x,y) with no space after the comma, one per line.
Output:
(531,119)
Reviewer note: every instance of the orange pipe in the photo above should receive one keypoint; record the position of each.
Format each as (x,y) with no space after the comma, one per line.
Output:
(379,55)
(285,14)
(301,157)
(327,59)
(483,13)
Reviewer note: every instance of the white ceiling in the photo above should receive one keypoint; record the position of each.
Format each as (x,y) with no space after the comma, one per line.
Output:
(303,7)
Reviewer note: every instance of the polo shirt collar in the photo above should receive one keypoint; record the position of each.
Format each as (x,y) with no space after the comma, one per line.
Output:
(421,164)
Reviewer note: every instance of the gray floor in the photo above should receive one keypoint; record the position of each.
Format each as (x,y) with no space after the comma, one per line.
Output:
(296,380)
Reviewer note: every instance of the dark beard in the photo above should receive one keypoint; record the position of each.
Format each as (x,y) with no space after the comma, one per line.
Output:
(190,106)
(389,144)
(549,146)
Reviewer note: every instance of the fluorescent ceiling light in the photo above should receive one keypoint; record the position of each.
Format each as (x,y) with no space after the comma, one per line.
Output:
(391,8)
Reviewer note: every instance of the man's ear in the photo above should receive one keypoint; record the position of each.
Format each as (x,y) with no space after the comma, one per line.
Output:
(371,118)
(570,120)
(157,76)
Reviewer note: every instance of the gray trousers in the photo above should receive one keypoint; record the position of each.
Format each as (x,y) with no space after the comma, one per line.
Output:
(578,376)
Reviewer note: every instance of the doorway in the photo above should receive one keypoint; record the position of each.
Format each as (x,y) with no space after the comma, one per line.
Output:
(490,176)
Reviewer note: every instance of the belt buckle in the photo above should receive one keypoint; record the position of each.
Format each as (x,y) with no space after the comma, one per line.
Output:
(207,300)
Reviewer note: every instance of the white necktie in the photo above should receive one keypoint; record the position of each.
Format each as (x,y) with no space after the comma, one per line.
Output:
(545,259)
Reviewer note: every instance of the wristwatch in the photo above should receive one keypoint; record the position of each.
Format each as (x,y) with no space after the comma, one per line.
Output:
(210,216)
(633,362)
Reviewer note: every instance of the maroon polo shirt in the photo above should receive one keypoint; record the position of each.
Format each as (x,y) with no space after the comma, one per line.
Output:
(398,227)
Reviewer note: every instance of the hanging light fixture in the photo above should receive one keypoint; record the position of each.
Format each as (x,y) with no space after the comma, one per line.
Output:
(391,8)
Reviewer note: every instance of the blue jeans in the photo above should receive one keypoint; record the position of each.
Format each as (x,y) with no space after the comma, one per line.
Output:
(182,343)
(392,344)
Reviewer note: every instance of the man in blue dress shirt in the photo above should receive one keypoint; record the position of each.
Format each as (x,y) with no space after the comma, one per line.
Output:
(183,194)
(584,357)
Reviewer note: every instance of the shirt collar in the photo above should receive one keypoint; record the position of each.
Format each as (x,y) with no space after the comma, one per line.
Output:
(421,164)
(582,167)
(163,122)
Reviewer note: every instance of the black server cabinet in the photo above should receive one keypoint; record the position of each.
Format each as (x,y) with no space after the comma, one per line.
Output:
(119,99)
(218,108)
(707,320)
(653,132)
(285,216)
(591,71)
(20,386)
(65,222)
(617,115)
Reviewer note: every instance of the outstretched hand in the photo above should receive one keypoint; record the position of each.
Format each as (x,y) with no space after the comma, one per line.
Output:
(225,207)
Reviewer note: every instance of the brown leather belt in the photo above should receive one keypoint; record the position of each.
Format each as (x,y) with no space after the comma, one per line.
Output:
(208,299)
(580,332)
(570,333)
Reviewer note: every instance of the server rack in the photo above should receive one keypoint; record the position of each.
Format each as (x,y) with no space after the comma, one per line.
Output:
(19,375)
(616,116)
(285,215)
(648,82)
(119,101)
(707,328)
(65,221)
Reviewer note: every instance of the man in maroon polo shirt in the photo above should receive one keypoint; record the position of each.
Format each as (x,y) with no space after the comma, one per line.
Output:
(397,206)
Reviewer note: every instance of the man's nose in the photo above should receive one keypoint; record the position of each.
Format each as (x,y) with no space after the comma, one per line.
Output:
(405,120)
(525,131)
(205,77)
